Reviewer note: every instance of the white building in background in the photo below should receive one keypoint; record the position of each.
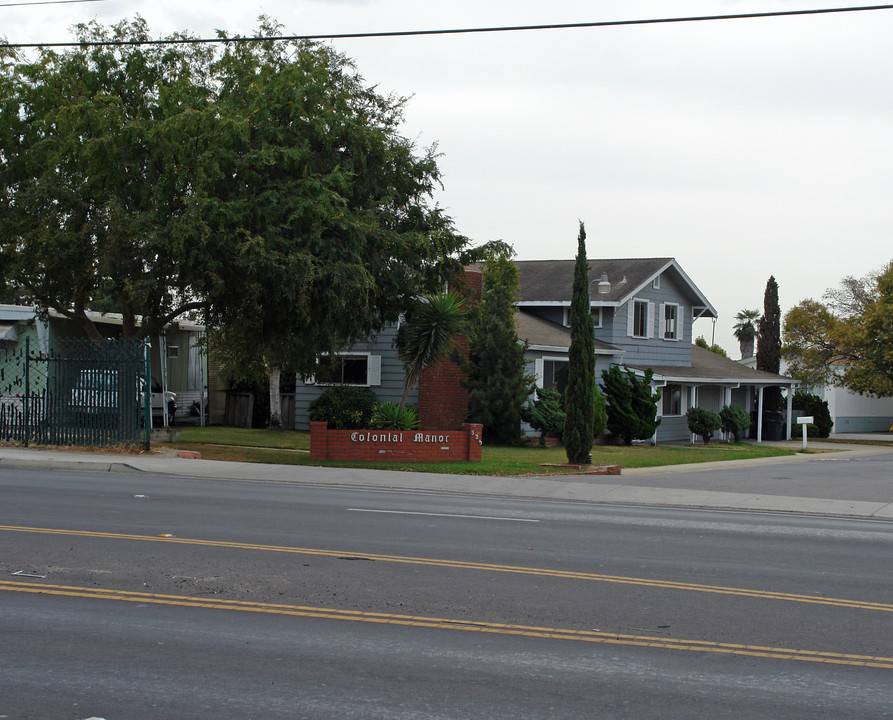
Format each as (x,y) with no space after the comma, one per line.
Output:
(850,412)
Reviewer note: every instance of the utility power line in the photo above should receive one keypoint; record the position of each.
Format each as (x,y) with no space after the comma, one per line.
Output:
(47,2)
(453,31)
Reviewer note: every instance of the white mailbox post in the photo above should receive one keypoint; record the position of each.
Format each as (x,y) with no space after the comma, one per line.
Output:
(804,421)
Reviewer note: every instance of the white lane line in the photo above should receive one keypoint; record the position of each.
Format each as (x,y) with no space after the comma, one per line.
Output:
(472,517)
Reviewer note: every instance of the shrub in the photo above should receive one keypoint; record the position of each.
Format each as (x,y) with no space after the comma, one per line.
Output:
(735,420)
(390,416)
(632,406)
(814,405)
(544,413)
(703,422)
(343,407)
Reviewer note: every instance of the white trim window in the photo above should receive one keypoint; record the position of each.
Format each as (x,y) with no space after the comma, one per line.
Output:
(359,369)
(671,321)
(596,313)
(551,372)
(640,316)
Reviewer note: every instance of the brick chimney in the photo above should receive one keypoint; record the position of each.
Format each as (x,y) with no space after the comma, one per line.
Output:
(443,402)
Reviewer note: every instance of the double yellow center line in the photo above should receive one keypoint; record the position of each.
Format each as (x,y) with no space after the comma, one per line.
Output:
(775,653)
(463,565)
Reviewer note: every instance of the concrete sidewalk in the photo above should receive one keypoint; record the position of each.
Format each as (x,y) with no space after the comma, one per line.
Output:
(820,483)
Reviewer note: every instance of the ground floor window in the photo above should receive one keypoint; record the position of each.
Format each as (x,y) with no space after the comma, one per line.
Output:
(343,370)
(555,375)
(672,399)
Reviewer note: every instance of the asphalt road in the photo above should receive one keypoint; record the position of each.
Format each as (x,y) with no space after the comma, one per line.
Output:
(167,597)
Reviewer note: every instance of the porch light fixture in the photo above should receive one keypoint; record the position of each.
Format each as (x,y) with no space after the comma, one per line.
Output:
(604,287)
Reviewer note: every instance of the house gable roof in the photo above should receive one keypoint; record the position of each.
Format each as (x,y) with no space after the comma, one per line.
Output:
(542,334)
(550,282)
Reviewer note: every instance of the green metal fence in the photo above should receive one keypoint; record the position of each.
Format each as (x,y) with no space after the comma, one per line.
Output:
(76,392)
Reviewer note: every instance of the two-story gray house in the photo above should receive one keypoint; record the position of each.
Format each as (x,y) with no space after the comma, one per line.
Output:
(643,310)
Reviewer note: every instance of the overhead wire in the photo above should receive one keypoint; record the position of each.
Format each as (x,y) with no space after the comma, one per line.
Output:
(448,31)
(47,2)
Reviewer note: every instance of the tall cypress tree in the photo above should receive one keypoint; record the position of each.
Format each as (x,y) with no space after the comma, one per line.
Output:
(578,399)
(769,342)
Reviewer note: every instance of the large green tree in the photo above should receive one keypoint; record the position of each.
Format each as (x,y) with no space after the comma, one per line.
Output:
(578,397)
(846,340)
(91,187)
(496,377)
(267,185)
(321,209)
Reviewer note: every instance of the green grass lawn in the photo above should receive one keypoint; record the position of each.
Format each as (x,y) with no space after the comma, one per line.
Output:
(292,448)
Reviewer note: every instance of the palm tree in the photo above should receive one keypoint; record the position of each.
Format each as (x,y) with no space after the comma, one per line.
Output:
(431,332)
(746,330)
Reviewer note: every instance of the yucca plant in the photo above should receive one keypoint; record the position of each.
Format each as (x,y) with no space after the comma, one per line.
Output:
(390,416)
(434,324)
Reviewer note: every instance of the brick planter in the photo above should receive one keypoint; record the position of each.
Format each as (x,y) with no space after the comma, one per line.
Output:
(462,445)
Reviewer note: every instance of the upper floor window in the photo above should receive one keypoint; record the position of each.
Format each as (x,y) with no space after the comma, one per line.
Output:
(671,322)
(596,313)
(656,283)
(640,318)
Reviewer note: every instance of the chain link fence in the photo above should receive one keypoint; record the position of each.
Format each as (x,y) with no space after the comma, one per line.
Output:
(76,392)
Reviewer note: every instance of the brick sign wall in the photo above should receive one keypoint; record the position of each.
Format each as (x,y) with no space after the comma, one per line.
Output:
(462,445)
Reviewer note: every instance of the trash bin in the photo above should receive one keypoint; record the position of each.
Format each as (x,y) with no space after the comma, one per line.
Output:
(773,425)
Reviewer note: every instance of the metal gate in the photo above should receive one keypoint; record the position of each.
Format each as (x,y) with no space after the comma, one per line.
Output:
(76,392)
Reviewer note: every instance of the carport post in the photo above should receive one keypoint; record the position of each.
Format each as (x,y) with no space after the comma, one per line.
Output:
(760,414)
(790,408)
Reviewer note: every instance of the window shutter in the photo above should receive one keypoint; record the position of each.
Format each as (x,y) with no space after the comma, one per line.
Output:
(650,323)
(680,323)
(373,370)
(662,321)
(538,369)
(630,317)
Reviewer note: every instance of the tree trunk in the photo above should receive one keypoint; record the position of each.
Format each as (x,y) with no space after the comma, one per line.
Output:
(746,347)
(87,324)
(275,398)
(128,326)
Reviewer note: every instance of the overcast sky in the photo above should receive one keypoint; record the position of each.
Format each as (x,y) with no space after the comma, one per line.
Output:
(742,148)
